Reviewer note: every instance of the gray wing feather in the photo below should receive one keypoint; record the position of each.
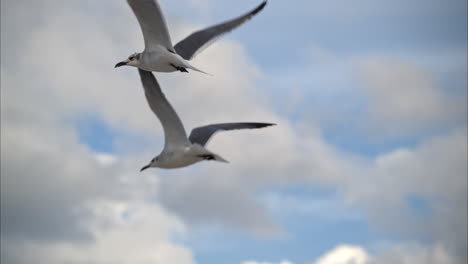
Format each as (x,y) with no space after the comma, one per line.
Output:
(201,135)
(152,22)
(174,131)
(197,41)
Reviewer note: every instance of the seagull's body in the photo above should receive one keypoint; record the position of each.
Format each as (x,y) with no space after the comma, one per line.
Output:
(159,59)
(180,150)
(159,54)
(185,156)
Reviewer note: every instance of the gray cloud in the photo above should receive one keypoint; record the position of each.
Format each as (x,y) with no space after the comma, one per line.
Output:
(434,171)
(405,100)
(42,189)
(209,200)
(59,203)
(414,254)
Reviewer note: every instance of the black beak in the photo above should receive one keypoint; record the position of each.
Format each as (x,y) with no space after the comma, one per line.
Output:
(144,168)
(122,63)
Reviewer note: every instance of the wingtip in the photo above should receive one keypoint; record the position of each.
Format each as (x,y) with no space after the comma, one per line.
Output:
(259,8)
(262,125)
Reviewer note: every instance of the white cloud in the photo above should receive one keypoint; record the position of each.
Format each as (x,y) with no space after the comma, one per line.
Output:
(405,253)
(106,159)
(255,262)
(344,254)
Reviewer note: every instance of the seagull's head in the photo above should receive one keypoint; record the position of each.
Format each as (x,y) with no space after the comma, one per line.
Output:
(153,164)
(133,60)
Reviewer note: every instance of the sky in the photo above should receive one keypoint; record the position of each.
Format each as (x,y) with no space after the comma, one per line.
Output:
(367,163)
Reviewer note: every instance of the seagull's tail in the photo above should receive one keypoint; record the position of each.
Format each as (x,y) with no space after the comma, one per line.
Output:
(189,66)
(219,158)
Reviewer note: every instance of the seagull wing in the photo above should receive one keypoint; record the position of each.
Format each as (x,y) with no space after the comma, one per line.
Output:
(174,131)
(201,135)
(152,23)
(197,41)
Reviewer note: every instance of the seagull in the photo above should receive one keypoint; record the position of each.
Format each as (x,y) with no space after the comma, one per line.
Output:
(179,150)
(159,55)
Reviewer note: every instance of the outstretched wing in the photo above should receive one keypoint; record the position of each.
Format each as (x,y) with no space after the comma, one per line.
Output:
(201,135)
(152,23)
(174,131)
(191,45)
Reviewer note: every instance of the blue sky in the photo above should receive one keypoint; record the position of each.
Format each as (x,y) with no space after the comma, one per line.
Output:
(367,163)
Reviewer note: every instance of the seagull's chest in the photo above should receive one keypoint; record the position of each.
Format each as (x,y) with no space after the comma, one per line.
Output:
(181,158)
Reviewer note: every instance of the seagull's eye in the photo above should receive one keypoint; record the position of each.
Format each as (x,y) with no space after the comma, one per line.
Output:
(131,58)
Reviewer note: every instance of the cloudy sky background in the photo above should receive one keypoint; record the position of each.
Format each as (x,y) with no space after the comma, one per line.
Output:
(366,166)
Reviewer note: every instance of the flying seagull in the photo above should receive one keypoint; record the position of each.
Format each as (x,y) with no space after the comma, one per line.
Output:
(180,150)
(159,54)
